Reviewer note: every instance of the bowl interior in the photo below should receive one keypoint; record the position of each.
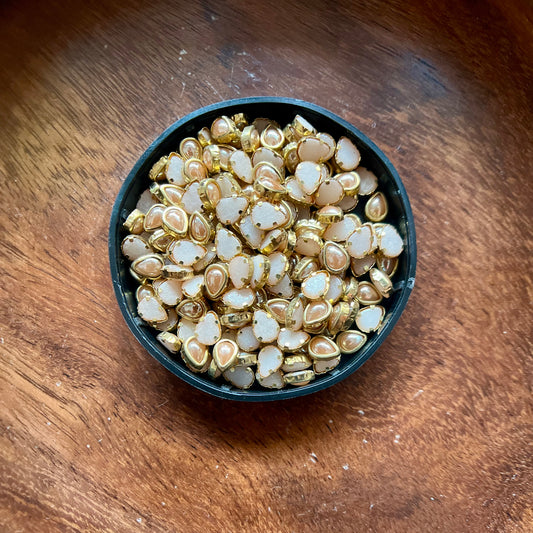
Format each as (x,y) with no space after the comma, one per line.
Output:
(282,110)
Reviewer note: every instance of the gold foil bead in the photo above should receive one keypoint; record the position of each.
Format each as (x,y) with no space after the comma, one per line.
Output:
(302,377)
(157,172)
(134,223)
(381,281)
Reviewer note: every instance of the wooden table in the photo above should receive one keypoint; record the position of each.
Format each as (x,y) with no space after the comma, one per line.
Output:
(431,434)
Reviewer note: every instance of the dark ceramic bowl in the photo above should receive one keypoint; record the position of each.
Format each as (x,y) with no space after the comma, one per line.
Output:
(282,110)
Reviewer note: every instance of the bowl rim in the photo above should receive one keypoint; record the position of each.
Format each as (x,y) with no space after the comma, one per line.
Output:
(224,390)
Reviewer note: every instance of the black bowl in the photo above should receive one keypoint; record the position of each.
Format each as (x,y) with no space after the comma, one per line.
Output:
(282,110)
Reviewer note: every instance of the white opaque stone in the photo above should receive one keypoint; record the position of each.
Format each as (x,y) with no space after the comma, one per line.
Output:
(230,210)
(329,141)
(290,340)
(267,216)
(316,285)
(308,244)
(261,268)
(278,267)
(269,360)
(240,270)
(359,243)
(246,339)
(191,199)
(335,290)
(170,291)
(241,377)
(241,165)
(208,329)
(362,265)
(186,328)
(253,235)
(192,288)
(347,155)
(134,246)
(369,318)
(329,192)
(340,231)
(265,327)
(226,185)
(239,298)
(269,156)
(169,323)
(174,171)
(274,381)
(186,253)
(145,202)
(296,192)
(150,310)
(326,365)
(311,148)
(283,288)
(309,175)
(348,203)
(227,244)
(295,314)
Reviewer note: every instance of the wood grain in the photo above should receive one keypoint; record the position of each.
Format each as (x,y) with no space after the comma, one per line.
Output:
(432,434)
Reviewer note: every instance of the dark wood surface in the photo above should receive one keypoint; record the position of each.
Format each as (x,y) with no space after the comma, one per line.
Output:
(432,434)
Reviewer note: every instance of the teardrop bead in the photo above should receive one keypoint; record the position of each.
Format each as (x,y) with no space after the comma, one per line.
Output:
(216,280)
(350,341)
(367,294)
(321,347)
(376,207)
(200,229)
